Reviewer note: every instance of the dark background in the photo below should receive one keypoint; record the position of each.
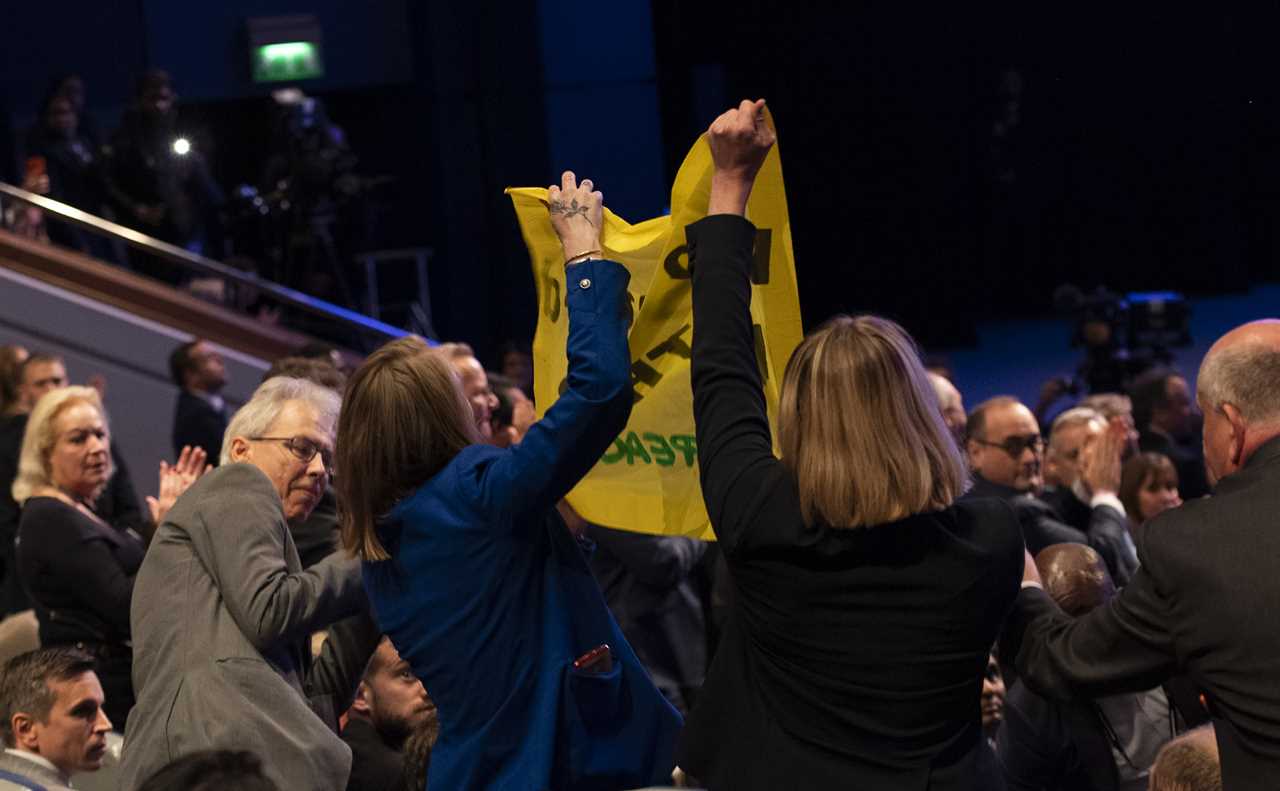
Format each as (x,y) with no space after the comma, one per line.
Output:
(944,165)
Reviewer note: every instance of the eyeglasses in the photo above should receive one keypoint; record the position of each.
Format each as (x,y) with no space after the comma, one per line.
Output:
(1016,444)
(304,450)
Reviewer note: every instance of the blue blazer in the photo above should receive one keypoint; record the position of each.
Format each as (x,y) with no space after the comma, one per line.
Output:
(489,599)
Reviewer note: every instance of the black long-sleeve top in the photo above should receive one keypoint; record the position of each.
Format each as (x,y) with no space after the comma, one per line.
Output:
(852,658)
(78,571)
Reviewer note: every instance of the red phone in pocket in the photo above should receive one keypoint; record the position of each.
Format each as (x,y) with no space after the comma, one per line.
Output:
(597,661)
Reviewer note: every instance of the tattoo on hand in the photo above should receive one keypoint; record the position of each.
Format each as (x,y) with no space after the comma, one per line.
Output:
(571,210)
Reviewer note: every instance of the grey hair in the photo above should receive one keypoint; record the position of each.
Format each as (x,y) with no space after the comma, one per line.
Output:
(255,417)
(1247,377)
(1076,416)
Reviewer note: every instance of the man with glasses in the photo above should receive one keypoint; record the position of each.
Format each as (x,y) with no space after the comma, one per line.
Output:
(223,610)
(1006,455)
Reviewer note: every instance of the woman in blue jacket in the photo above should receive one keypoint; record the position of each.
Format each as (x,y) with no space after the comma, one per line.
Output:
(472,573)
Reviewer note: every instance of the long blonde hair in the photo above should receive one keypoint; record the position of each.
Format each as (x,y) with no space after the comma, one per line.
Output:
(860,428)
(38,441)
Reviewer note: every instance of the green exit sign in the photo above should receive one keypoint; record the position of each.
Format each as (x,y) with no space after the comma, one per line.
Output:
(287,61)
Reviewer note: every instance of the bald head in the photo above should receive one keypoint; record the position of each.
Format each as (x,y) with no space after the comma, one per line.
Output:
(1075,577)
(950,403)
(1238,390)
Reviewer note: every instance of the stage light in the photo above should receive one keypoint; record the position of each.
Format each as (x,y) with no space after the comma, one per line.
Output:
(182,146)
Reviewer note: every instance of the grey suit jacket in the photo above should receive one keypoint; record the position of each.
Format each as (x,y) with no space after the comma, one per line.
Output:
(30,770)
(221,614)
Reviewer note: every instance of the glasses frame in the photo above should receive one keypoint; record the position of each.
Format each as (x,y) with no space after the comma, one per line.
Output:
(326,456)
(1038,441)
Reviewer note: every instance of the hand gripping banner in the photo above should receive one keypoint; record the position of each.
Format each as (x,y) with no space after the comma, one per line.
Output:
(647,482)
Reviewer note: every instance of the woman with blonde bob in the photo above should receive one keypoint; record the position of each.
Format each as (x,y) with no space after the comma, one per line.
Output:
(867,595)
(79,569)
(474,576)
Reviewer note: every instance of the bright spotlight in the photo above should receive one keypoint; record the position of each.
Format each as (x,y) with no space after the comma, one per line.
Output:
(182,146)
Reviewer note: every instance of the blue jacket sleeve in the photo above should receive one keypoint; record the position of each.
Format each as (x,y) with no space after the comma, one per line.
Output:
(592,409)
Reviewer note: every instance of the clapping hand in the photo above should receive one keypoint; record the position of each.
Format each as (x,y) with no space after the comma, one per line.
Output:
(176,479)
(1101,459)
(740,140)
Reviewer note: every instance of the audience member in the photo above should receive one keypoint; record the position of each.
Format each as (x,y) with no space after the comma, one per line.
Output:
(475,384)
(52,719)
(212,770)
(1167,423)
(990,776)
(201,415)
(1116,407)
(73,168)
(513,414)
(318,536)
(77,568)
(157,187)
(472,573)
(220,649)
(1189,763)
(1103,744)
(1203,600)
(1148,487)
(390,706)
(1005,449)
(517,364)
(951,404)
(1083,462)
(417,757)
(868,597)
(650,585)
(12,356)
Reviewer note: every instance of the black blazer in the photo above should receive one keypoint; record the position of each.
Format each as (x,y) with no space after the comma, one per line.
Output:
(851,658)
(1206,600)
(198,424)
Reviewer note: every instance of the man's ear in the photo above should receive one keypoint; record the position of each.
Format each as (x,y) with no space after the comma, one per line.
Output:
(363,702)
(1238,430)
(24,732)
(240,449)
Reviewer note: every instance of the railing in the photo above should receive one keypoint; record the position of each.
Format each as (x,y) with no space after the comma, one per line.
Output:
(348,319)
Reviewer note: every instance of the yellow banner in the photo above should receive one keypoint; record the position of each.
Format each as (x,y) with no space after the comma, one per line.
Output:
(648,481)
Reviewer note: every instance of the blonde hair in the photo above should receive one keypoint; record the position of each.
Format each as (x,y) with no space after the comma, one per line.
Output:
(37,443)
(860,428)
(403,419)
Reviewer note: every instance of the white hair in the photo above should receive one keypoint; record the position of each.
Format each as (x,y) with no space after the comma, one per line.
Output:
(38,441)
(1246,376)
(255,418)
(1076,416)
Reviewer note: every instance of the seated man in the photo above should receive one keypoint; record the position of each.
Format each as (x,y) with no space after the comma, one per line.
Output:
(1166,420)
(390,706)
(222,608)
(1083,465)
(1189,763)
(1104,744)
(51,719)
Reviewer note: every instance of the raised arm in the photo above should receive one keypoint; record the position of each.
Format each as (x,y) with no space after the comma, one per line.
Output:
(735,448)
(596,398)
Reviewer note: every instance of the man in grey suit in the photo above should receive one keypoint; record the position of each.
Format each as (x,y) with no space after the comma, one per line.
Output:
(1206,599)
(222,609)
(51,719)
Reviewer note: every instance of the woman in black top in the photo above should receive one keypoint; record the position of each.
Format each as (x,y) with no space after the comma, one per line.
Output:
(76,567)
(867,598)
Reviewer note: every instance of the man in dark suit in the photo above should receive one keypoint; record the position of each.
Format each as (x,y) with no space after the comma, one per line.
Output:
(1082,464)
(201,416)
(1162,410)
(390,705)
(1203,602)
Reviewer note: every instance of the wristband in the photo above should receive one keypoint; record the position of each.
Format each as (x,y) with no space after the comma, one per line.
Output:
(573,259)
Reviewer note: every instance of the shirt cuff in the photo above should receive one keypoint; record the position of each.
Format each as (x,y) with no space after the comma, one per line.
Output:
(1107,498)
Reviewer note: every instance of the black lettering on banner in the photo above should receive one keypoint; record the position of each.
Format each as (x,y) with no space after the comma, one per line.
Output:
(761,360)
(760,259)
(673,344)
(672,265)
(551,298)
